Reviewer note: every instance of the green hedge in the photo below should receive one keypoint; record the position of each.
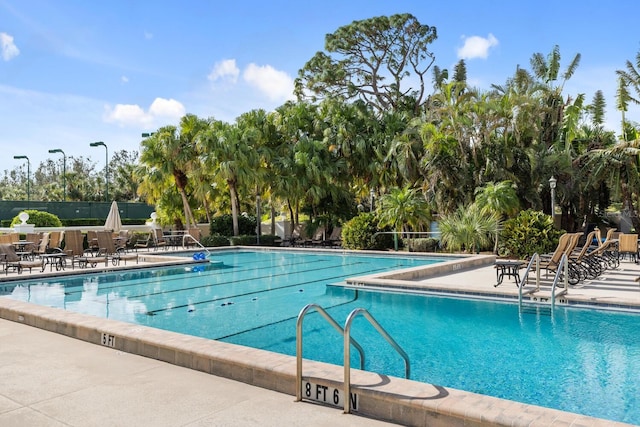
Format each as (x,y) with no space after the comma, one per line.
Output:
(39,219)
(357,233)
(422,245)
(214,241)
(223,225)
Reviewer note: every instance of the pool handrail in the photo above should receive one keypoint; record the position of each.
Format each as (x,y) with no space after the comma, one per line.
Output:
(188,236)
(347,353)
(563,267)
(535,258)
(335,325)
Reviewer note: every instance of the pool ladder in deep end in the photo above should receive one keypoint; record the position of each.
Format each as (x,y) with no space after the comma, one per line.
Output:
(543,302)
(349,402)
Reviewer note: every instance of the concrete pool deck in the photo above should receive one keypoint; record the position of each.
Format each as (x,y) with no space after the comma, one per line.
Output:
(51,379)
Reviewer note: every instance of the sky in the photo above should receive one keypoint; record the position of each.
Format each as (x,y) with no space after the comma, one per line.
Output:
(73,72)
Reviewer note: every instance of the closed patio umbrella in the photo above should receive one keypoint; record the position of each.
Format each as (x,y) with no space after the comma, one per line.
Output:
(113,221)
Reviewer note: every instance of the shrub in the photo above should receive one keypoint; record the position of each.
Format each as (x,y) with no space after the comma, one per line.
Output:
(223,225)
(39,219)
(530,232)
(270,240)
(357,233)
(244,240)
(214,241)
(422,245)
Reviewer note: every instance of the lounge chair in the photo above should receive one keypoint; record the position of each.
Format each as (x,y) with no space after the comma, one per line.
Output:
(580,264)
(550,262)
(55,241)
(335,239)
(318,237)
(10,258)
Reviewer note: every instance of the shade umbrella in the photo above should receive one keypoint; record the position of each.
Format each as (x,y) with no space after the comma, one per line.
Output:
(113,221)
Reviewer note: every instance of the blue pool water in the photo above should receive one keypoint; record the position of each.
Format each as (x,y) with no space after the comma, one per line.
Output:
(578,360)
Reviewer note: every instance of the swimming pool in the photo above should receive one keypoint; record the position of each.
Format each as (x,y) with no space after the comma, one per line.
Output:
(583,361)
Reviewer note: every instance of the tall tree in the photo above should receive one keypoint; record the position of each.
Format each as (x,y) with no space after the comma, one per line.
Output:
(171,153)
(227,149)
(372,60)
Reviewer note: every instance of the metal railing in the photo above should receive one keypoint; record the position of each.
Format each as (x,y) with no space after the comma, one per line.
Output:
(347,353)
(561,271)
(188,237)
(306,309)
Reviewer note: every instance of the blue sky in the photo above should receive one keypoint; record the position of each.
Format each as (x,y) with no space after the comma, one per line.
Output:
(75,71)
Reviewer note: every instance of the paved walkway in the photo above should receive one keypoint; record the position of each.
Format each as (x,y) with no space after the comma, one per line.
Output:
(48,379)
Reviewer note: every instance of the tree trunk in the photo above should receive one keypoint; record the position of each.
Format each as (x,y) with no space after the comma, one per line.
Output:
(234,207)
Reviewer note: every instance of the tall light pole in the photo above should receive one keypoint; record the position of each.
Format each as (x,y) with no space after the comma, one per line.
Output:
(28,175)
(64,172)
(552,184)
(106,165)
(372,195)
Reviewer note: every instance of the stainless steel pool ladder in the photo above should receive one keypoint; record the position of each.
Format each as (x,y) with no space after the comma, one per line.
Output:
(561,271)
(348,340)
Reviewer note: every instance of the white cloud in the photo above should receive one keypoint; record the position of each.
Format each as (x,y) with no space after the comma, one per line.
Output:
(477,47)
(9,49)
(124,79)
(167,108)
(275,84)
(135,116)
(225,70)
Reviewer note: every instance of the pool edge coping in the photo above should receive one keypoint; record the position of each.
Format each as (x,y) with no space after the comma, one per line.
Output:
(386,398)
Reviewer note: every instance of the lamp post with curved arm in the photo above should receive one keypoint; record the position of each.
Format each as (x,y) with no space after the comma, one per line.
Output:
(106,165)
(64,172)
(28,176)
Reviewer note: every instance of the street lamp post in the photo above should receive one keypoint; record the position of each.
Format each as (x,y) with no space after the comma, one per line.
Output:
(372,194)
(106,165)
(28,176)
(64,172)
(552,184)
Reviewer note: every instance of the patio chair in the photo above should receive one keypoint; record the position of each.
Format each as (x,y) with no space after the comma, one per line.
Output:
(109,250)
(335,239)
(192,236)
(55,241)
(580,265)
(146,243)
(550,262)
(76,253)
(92,240)
(159,239)
(628,245)
(11,259)
(43,246)
(318,237)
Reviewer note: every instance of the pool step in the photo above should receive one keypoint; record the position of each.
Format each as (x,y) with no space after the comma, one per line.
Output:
(535,308)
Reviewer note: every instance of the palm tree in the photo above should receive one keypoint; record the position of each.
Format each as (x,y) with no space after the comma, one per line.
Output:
(619,168)
(403,209)
(500,198)
(468,228)
(226,150)
(168,153)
